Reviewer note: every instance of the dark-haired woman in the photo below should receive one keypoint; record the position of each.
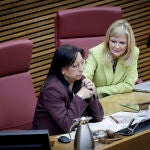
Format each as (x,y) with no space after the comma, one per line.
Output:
(66,93)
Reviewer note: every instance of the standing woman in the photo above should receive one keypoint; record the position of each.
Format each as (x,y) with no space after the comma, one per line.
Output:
(112,65)
(66,93)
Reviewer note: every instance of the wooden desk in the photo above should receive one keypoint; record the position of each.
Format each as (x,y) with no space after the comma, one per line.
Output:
(111,104)
(139,141)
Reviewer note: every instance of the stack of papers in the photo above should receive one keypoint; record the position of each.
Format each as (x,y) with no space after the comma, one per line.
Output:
(143,87)
(119,120)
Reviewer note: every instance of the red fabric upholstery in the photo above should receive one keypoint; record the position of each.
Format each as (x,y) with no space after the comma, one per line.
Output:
(17,96)
(84,27)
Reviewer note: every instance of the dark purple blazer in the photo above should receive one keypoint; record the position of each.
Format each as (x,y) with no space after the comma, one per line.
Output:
(56,112)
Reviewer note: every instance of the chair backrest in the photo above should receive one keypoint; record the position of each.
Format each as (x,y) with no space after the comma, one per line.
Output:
(17,95)
(84,27)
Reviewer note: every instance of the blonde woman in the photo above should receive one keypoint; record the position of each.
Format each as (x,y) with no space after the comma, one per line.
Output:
(112,65)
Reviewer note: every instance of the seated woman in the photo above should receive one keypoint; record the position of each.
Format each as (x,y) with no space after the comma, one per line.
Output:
(112,65)
(66,93)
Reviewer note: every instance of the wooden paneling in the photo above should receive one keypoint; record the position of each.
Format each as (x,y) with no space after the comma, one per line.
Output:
(34,19)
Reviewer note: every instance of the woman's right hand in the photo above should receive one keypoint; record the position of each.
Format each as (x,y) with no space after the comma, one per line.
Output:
(85,93)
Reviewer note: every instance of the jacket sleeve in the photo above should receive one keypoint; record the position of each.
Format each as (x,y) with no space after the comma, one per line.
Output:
(90,66)
(95,109)
(55,101)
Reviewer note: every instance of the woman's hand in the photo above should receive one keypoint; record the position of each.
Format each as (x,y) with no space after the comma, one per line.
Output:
(84,93)
(89,85)
(87,90)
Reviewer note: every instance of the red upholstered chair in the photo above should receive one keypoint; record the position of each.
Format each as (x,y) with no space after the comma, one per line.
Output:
(17,96)
(84,27)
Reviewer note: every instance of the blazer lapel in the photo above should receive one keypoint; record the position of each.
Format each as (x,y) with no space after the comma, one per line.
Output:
(108,73)
(114,77)
(119,72)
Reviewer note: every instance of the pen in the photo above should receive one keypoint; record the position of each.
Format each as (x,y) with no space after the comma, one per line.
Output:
(114,119)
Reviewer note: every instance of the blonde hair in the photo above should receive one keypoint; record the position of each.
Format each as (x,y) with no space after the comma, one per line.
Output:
(120,27)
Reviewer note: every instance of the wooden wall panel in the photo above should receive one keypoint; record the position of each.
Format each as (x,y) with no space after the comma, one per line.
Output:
(34,19)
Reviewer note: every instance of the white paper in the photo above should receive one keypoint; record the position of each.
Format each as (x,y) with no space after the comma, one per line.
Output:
(105,124)
(123,119)
(144,86)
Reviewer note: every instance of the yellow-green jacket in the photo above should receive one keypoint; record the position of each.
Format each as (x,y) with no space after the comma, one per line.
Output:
(107,82)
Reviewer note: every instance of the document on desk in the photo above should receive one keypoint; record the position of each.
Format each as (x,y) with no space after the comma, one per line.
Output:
(142,87)
(105,124)
(117,121)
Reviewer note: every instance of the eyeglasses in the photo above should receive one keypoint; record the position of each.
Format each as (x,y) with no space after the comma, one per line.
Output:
(78,65)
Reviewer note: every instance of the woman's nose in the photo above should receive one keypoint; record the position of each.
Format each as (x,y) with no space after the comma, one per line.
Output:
(117,45)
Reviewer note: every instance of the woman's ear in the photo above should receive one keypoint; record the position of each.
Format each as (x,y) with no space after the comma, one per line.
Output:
(62,71)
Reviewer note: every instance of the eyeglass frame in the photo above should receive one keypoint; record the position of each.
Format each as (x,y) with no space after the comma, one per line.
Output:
(77,65)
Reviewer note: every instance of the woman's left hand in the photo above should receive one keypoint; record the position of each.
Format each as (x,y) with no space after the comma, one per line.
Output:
(89,85)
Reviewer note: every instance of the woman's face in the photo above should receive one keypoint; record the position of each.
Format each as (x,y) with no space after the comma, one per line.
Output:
(118,45)
(74,72)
